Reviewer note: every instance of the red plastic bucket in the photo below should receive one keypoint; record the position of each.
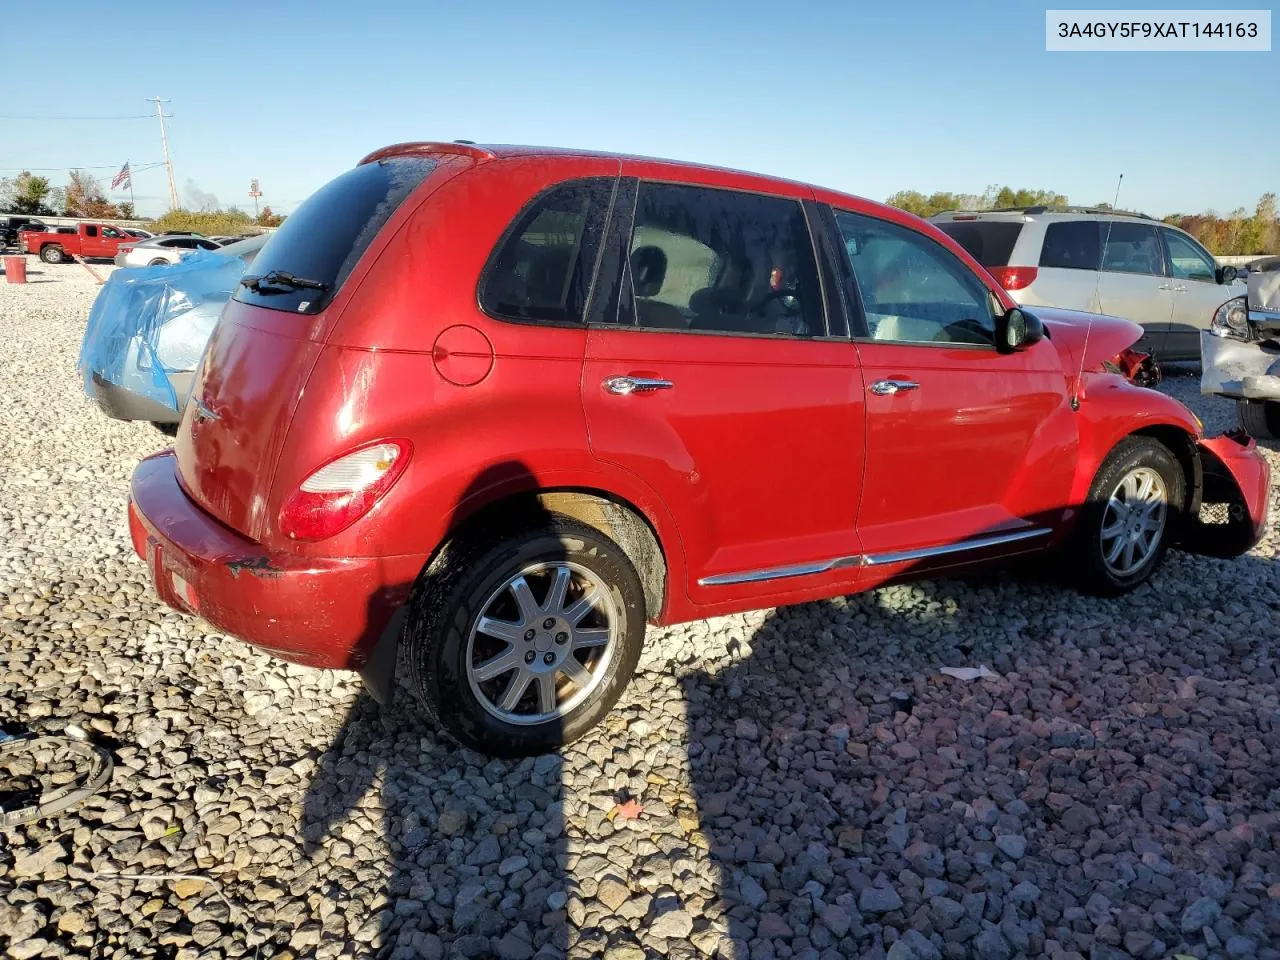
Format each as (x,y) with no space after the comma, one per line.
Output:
(15,269)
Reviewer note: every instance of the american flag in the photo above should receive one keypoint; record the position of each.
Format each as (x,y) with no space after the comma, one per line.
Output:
(122,178)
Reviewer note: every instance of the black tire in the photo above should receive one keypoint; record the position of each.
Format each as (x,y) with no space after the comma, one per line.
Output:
(168,429)
(157,262)
(1259,418)
(52,254)
(448,599)
(1089,561)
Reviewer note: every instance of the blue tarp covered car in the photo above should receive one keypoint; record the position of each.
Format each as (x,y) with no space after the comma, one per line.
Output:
(148,329)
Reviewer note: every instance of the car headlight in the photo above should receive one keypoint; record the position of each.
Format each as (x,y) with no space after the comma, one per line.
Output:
(1231,319)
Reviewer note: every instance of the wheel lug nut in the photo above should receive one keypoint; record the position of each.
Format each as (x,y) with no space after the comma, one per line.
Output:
(549,658)
(529,635)
(530,657)
(548,623)
(562,637)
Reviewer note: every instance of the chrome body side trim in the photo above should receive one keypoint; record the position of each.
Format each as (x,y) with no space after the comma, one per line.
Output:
(870,560)
(778,573)
(923,553)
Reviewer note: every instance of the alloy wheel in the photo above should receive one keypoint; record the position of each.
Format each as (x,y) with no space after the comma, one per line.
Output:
(1134,520)
(542,642)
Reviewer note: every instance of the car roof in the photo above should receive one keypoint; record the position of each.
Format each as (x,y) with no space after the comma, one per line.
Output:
(502,151)
(1029,214)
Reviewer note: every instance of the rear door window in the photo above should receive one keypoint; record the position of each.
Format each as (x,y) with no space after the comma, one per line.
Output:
(324,238)
(721,261)
(1071,245)
(990,242)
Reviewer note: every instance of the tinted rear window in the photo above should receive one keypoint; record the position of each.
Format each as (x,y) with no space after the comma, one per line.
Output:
(1071,245)
(325,237)
(990,242)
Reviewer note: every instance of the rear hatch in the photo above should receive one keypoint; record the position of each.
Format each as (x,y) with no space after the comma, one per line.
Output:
(990,241)
(271,333)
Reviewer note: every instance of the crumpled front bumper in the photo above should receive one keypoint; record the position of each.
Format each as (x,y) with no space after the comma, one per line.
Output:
(1235,497)
(1245,370)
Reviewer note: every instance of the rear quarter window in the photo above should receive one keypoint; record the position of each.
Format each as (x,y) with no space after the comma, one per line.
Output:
(990,242)
(324,238)
(1071,245)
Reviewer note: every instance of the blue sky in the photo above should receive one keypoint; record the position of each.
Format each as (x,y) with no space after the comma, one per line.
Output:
(867,98)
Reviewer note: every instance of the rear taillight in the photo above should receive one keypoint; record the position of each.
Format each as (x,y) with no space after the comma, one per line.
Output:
(124,247)
(1014,278)
(343,490)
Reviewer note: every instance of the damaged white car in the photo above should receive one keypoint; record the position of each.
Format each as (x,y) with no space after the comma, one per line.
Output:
(1240,353)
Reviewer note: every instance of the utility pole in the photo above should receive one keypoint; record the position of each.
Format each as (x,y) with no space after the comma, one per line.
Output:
(255,192)
(164,140)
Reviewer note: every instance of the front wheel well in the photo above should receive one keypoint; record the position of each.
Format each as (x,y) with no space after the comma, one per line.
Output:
(1183,446)
(616,519)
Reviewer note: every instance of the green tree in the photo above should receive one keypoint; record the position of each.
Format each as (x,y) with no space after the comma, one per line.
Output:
(26,194)
(209,223)
(994,196)
(126,210)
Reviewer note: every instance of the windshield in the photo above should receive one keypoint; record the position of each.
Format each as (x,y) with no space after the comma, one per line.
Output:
(323,240)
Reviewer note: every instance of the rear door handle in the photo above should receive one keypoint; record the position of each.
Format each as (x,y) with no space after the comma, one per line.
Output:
(887,388)
(623,386)
(1166,286)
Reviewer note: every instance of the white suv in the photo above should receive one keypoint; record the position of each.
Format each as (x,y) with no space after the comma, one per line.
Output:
(1152,273)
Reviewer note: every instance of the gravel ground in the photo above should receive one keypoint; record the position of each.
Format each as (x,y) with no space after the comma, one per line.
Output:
(811,786)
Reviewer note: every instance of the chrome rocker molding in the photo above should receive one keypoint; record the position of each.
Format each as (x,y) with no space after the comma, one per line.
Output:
(869,560)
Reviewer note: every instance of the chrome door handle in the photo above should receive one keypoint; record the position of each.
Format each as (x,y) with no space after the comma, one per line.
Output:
(1180,288)
(1166,286)
(622,386)
(887,388)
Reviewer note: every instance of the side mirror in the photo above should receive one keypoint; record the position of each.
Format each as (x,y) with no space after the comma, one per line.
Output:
(1018,330)
(1226,274)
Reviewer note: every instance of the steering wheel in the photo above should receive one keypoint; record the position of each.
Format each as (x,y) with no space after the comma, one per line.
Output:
(772,295)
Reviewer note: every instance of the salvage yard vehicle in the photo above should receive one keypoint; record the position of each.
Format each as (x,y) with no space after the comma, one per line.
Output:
(11,226)
(87,240)
(1240,353)
(499,407)
(1102,261)
(148,328)
(166,248)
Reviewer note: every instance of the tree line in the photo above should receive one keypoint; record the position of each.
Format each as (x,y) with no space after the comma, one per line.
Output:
(83,196)
(1239,233)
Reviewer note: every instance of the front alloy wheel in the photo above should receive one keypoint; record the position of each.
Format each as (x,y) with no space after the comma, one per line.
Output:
(1133,521)
(1128,518)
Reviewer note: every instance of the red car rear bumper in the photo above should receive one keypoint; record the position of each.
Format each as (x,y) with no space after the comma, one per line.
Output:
(316,611)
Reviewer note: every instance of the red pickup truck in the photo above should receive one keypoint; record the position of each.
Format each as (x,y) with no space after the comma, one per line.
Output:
(90,240)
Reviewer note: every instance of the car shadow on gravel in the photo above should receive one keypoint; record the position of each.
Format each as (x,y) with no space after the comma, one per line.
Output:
(475,850)
(1110,794)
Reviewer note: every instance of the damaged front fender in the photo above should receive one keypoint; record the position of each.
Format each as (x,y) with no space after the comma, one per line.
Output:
(1232,513)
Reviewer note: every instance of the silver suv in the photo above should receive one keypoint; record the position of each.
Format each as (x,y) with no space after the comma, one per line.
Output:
(1151,273)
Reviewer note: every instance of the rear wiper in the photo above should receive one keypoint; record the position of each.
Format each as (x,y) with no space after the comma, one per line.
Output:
(282,279)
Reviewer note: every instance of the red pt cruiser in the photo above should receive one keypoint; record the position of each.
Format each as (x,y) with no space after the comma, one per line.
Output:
(503,406)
